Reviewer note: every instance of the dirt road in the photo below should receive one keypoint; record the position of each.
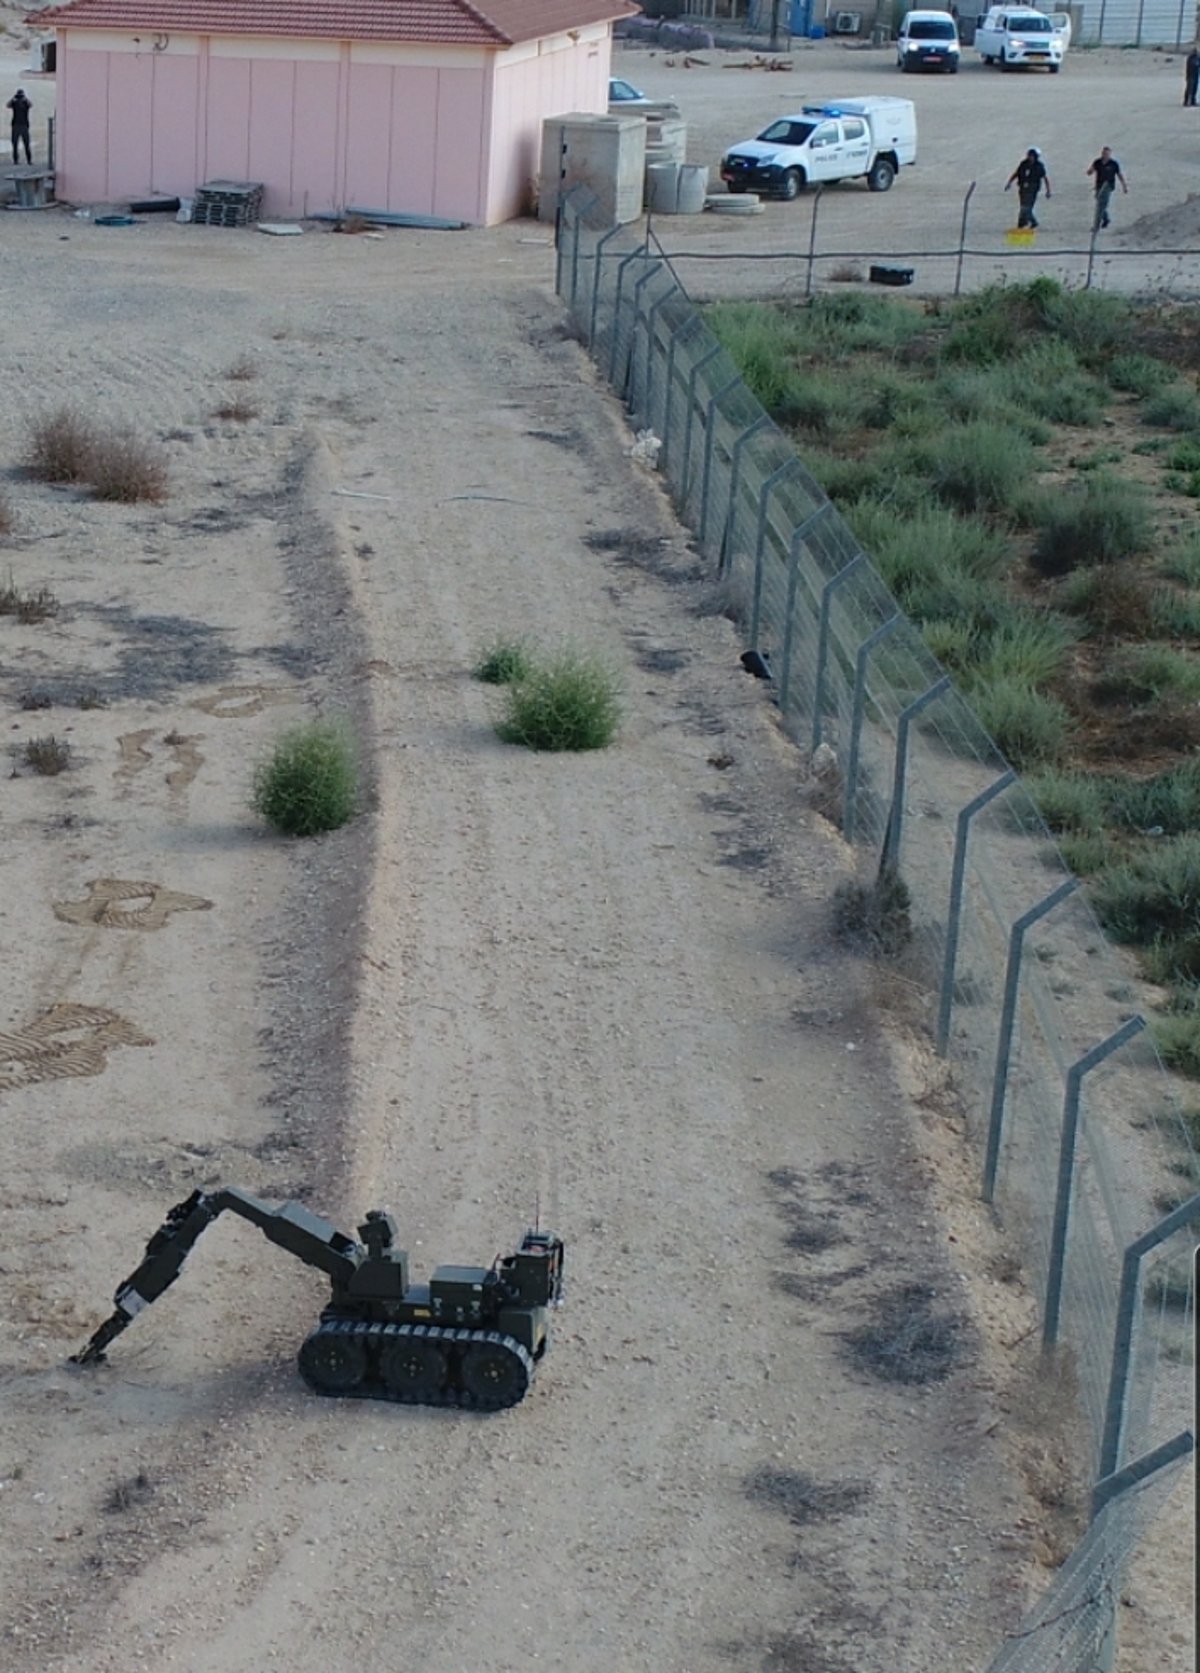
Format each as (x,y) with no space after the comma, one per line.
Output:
(602,983)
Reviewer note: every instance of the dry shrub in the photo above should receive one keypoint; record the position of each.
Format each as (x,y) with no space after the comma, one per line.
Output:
(126,468)
(8,521)
(62,445)
(48,756)
(352,223)
(243,369)
(238,411)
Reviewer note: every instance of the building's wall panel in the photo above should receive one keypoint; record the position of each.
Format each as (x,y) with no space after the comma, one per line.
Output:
(420,130)
(561,75)
(175,107)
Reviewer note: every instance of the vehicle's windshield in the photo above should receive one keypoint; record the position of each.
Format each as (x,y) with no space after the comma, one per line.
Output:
(933,29)
(786,132)
(1029,26)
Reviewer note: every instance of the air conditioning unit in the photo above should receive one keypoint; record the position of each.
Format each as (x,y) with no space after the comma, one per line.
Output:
(847,23)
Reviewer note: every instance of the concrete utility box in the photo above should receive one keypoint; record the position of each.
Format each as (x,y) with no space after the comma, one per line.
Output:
(605,153)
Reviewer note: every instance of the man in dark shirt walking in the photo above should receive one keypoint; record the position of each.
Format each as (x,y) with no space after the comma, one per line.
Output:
(1105,172)
(1191,75)
(1030,176)
(20,107)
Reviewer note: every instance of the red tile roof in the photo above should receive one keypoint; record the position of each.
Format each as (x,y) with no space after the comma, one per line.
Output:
(496,23)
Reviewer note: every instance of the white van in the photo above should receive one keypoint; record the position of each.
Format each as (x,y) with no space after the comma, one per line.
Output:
(1013,36)
(868,138)
(928,41)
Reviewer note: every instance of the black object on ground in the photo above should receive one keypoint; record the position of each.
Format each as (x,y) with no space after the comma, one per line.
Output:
(757,663)
(892,275)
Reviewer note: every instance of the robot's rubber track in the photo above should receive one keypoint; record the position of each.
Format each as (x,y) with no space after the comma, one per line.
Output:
(484,1369)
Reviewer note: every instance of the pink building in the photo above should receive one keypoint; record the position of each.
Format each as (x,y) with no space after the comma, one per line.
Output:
(429,107)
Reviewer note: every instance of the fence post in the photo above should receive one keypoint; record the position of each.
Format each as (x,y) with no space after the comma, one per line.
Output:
(1118,1382)
(631,386)
(634,255)
(651,327)
(693,377)
(596,258)
(962,239)
(1087,283)
(856,718)
(895,824)
(672,339)
(760,543)
(579,209)
(812,239)
(748,434)
(958,874)
(1008,1017)
(709,442)
(1117,1482)
(800,535)
(827,592)
(1066,1170)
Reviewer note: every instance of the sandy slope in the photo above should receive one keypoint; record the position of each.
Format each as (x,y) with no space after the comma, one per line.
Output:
(598,983)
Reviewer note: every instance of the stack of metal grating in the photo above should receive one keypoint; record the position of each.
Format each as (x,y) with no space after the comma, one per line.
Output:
(227,203)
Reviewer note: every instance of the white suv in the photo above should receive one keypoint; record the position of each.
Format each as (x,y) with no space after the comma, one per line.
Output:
(1019,35)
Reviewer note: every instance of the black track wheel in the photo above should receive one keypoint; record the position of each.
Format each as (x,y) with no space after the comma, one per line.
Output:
(494,1372)
(331,1363)
(413,1366)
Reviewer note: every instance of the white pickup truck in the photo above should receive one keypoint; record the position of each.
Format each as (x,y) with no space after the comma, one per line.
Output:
(1013,36)
(869,138)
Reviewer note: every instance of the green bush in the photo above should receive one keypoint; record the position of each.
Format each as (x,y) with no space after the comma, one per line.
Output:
(1152,673)
(1175,407)
(762,344)
(1068,801)
(1153,895)
(309,783)
(853,323)
(504,662)
(1177,1036)
(1093,322)
(1110,599)
(570,702)
(1167,804)
(1139,374)
(1175,615)
(951,642)
(1030,648)
(1048,381)
(982,467)
(816,402)
(1182,561)
(1184,455)
(1093,523)
(1029,728)
(1086,852)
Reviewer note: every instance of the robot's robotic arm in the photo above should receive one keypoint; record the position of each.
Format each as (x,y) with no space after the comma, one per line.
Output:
(292,1226)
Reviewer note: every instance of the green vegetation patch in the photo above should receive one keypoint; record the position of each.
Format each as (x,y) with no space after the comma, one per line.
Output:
(309,782)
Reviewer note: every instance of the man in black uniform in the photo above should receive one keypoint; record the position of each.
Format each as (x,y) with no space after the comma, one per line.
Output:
(1030,176)
(20,107)
(1105,172)
(1191,75)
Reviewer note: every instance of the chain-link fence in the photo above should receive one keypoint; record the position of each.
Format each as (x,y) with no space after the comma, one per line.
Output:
(1081,1146)
(1072,1629)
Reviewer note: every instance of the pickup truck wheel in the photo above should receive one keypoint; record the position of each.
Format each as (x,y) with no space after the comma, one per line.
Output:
(1054,68)
(881,176)
(735,191)
(1004,63)
(793,184)
(952,69)
(988,59)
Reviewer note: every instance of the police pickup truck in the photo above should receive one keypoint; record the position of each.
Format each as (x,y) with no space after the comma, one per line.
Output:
(869,138)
